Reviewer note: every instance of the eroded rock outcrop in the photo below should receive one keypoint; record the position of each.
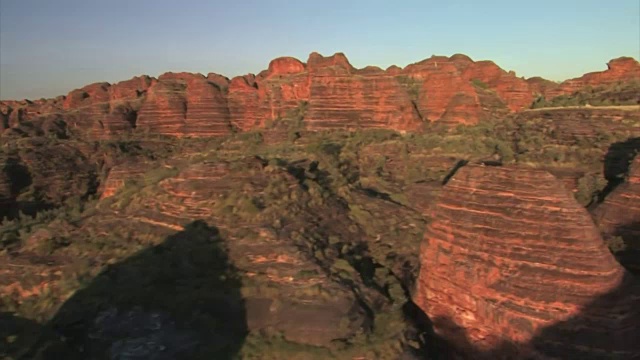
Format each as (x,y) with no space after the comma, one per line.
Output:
(541,86)
(329,90)
(448,96)
(622,206)
(334,95)
(370,99)
(104,110)
(184,104)
(623,69)
(513,267)
(119,174)
(515,92)
(619,215)
(458,90)
(274,94)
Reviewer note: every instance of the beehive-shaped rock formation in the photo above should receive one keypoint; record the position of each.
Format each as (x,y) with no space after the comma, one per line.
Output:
(512,266)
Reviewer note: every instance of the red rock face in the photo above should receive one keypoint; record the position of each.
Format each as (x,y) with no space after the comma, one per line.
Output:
(88,108)
(130,89)
(183,104)
(334,94)
(125,99)
(221,81)
(244,101)
(515,92)
(341,99)
(512,262)
(338,96)
(622,69)
(13,113)
(457,90)
(119,174)
(285,66)
(540,86)
(447,96)
(394,70)
(164,109)
(317,61)
(103,109)
(207,111)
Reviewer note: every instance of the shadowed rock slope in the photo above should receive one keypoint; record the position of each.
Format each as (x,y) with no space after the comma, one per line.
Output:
(619,216)
(510,255)
(318,274)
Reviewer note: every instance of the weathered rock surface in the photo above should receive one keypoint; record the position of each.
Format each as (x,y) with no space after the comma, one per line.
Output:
(334,94)
(105,110)
(183,104)
(572,125)
(340,97)
(515,92)
(540,86)
(623,69)
(619,215)
(275,94)
(459,90)
(512,266)
(119,174)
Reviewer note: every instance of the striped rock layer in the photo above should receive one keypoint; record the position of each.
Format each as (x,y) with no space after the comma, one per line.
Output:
(622,207)
(619,216)
(618,70)
(513,267)
(327,92)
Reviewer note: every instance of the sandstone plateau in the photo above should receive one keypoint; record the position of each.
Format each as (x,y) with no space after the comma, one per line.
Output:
(512,267)
(328,92)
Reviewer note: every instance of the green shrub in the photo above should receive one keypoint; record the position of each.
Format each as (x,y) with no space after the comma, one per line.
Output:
(479,83)
(589,186)
(616,244)
(413,86)
(154,176)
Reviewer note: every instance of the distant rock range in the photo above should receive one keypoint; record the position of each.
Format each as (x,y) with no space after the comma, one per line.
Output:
(329,91)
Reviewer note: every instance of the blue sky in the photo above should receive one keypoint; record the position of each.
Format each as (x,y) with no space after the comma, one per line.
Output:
(48,48)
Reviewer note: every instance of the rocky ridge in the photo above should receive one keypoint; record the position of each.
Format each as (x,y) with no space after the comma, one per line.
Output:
(619,216)
(328,91)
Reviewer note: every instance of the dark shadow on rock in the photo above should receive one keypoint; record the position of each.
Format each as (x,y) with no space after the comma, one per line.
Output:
(19,178)
(629,256)
(429,345)
(616,164)
(606,328)
(16,335)
(177,300)
(453,171)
